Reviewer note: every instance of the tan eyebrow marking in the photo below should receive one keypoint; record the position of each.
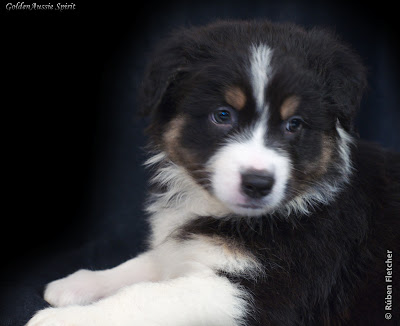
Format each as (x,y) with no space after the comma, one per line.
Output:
(289,106)
(235,97)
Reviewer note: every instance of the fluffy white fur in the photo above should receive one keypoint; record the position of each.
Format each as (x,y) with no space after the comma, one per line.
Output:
(183,200)
(201,298)
(174,283)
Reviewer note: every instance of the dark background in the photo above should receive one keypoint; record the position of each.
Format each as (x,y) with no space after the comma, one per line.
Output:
(73,183)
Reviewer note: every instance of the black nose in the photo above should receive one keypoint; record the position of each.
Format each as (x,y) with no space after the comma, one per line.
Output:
(257,184)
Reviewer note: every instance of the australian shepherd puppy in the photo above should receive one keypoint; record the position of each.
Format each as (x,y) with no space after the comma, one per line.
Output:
(265,207)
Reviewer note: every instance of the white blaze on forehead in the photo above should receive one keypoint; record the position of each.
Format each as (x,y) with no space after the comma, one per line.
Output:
(260,60)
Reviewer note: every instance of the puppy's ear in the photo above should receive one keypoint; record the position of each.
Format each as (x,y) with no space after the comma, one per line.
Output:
(348,86)
(345,77)
(162,75)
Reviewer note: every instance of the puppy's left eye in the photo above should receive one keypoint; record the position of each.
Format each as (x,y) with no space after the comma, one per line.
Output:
(294,124)
(223,116)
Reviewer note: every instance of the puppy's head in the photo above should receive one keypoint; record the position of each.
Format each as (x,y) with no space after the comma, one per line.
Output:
(258,114)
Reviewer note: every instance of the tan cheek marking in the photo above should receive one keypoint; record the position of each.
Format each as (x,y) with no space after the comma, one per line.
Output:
(235,97)
(171,136)
(326,153)
(320,165)
(175,151)
(289,106)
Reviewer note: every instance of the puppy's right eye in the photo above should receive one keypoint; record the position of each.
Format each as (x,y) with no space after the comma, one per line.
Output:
(294,124)
(223,116)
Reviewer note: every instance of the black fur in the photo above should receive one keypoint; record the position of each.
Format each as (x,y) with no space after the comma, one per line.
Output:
(223,46)
(325,268)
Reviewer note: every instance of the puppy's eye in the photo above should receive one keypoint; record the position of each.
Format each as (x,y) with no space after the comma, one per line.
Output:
(223,116)
(294,124)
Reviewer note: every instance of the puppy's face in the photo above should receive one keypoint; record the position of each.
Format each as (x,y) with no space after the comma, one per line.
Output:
(257,114)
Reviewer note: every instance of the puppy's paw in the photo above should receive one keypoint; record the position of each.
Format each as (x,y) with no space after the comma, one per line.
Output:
(81,287)
(67,316)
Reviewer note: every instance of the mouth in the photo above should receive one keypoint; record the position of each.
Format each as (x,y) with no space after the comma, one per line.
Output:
(250,206)
(248,209)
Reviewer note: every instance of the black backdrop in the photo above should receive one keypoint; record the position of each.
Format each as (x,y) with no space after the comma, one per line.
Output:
(72,175)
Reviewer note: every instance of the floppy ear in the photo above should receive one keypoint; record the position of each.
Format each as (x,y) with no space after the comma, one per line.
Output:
(161,75)
(348,85)
(344,75)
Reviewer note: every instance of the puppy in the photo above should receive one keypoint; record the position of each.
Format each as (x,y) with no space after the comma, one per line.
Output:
(265,208)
